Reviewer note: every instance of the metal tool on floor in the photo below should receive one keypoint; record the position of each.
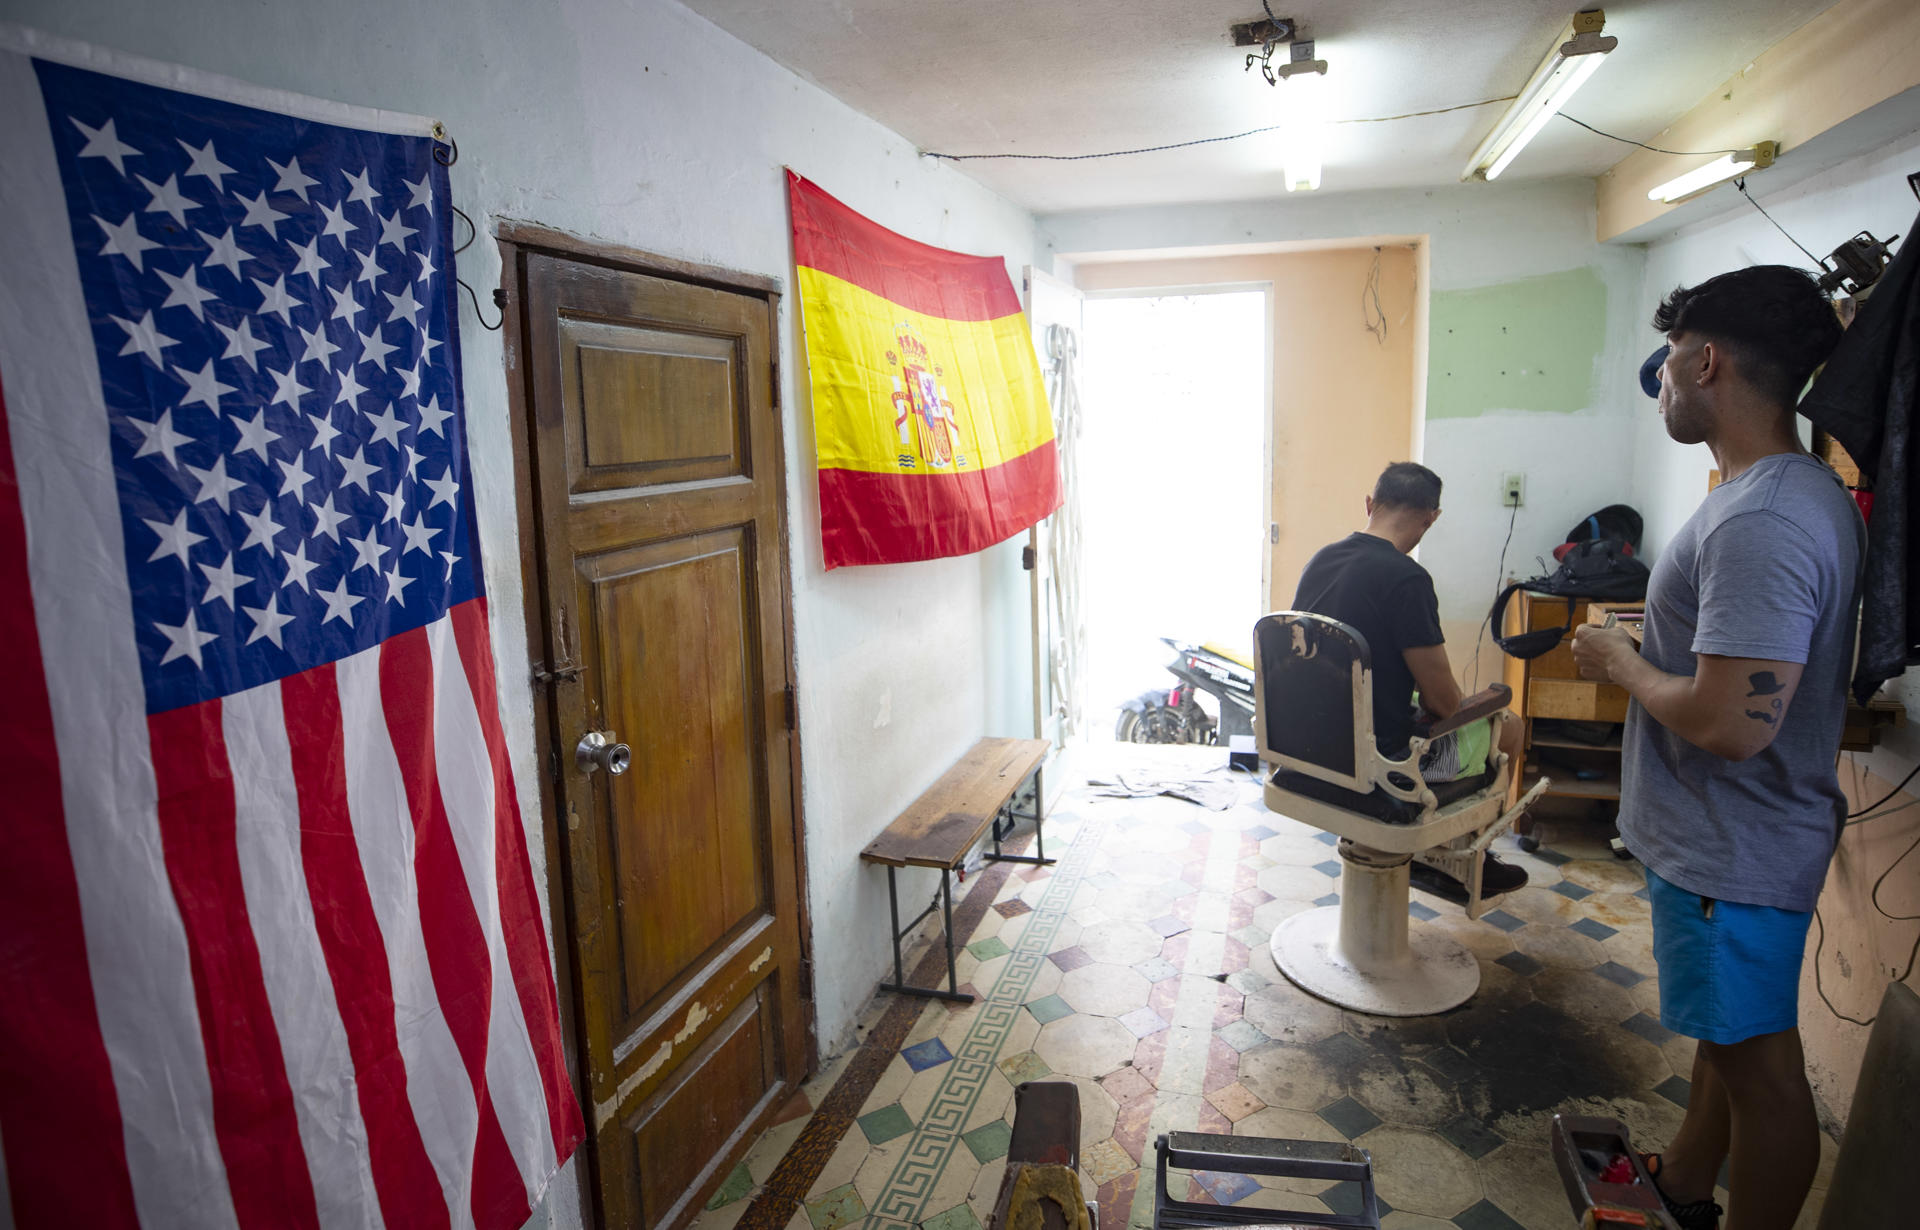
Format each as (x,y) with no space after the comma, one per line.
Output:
(1252,1155)
(1607,1184)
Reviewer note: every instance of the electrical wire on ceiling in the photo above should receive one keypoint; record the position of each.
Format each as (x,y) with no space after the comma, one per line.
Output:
(1740,183)
(1235,136)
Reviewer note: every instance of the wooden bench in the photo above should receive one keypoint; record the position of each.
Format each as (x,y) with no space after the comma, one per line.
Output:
(943,824)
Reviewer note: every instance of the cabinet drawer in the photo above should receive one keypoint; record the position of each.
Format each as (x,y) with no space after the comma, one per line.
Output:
(1579,699)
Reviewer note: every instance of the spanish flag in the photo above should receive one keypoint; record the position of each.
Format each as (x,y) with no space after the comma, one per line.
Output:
(930,417)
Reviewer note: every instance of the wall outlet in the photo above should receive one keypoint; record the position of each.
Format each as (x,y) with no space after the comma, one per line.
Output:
(1513,491)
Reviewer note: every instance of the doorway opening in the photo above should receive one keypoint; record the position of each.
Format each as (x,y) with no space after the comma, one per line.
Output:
(1174,460)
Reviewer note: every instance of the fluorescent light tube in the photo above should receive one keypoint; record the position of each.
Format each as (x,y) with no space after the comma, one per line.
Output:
(1719,171)
(1303,139)
(1576,57)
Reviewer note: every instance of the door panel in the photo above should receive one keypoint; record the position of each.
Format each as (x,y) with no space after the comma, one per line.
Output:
(683,703)
(676,1129)
(655,458)
(650,405)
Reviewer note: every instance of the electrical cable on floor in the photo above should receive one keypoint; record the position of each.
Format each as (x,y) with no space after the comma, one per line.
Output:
(1896,790)
(1499,577)
(1251,132)
(1873,899)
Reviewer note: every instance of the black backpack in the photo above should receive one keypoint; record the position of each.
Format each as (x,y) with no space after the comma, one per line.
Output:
(1598,562)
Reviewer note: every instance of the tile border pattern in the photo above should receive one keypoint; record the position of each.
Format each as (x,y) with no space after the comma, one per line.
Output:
(903,1199)
(785,1191)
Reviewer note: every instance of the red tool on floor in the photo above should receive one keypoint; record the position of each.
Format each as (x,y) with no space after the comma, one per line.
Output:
(1607,1184)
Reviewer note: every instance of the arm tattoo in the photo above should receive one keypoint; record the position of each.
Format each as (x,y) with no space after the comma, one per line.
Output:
(1765,684)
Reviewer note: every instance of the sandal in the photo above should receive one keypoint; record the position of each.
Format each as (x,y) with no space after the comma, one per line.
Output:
(1694,1214)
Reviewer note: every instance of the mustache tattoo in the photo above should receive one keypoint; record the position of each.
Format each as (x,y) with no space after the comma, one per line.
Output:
(1765,684)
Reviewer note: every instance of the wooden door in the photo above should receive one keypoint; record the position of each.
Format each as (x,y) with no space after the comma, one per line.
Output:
(655,464)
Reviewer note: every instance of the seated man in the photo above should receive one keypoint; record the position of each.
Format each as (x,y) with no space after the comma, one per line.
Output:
(1370,582)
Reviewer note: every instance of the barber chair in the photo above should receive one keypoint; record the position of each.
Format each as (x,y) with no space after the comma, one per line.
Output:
(1313,727)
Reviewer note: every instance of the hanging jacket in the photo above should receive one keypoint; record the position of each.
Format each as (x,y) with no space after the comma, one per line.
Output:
(1865,399)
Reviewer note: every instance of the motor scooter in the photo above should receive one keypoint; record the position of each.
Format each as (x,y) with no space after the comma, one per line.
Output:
(1176,715)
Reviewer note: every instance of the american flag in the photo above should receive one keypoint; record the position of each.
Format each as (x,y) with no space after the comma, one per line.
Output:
(271,943)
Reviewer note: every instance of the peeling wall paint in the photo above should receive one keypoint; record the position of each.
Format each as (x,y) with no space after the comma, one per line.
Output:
(1531,344)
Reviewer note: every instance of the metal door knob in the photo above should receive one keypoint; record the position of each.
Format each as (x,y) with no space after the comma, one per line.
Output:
(598,750)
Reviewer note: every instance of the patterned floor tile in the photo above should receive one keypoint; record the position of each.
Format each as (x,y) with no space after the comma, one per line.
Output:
(840,1207)
(1675,1089)
(928,1054)
(959,1217)
(1520,963)
(1241,1036)
(989,948)
(1350,1118)
(1143,1021)
(1070,959)
(1226,1187)
(1157,969)
(1168,925)
(739,1182)
(1593,929)
(886,1123)
(1329,868)
(1422,911)
(1570,890)
(989,1141)
(1012,907)
(1648,1027)
(1469,1135)
(1486,1216)
(1235,1101)
(1503,920)
(1615,972)
(1049,1008)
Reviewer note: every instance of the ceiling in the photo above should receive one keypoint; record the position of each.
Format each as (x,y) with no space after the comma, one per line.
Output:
(1069,77)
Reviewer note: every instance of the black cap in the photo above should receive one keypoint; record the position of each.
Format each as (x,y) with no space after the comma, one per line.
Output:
(1650,371)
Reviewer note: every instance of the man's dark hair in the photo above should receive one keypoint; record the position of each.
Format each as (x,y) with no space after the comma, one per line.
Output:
(1407,484)
(1772,318)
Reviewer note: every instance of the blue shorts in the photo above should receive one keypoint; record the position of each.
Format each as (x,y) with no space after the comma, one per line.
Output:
(1728,972)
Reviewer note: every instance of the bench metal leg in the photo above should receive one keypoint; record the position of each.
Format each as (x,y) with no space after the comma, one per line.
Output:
(1011,815)
(899,983)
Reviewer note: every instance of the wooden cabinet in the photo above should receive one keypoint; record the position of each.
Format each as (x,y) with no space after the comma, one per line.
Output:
(1572,725)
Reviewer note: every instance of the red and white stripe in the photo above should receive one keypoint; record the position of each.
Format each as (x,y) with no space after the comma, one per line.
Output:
(275,960)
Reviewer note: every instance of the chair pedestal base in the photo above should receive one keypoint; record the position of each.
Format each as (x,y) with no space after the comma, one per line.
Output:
(1365,953)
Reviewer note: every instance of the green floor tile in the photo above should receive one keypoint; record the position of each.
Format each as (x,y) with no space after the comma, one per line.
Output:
(886,1123)
(989,1140)
(738,1184)
(1049,1008)
(989,948)
(959,1217)
(838,1208)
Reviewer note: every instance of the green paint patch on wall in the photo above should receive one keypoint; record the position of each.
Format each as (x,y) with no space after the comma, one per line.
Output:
(1526,345)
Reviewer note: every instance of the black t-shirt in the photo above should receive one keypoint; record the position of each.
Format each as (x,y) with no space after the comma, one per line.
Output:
(1366,582)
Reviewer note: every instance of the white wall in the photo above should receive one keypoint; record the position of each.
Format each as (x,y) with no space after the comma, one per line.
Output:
(1859,948)
(642,124)
(1481,235)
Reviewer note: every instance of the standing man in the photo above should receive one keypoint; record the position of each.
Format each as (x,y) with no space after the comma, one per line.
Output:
(1370,581)
(1728,792)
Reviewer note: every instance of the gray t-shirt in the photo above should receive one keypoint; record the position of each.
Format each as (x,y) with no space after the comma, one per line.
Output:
(1767,567)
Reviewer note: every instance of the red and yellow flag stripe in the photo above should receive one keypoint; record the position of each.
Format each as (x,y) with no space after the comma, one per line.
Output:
(931,422)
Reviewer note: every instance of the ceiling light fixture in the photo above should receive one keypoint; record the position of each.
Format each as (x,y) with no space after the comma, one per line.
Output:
(1303,136)
(1719,171)
(1573,59)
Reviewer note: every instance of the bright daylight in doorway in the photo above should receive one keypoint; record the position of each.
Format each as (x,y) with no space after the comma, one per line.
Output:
(1174,448)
